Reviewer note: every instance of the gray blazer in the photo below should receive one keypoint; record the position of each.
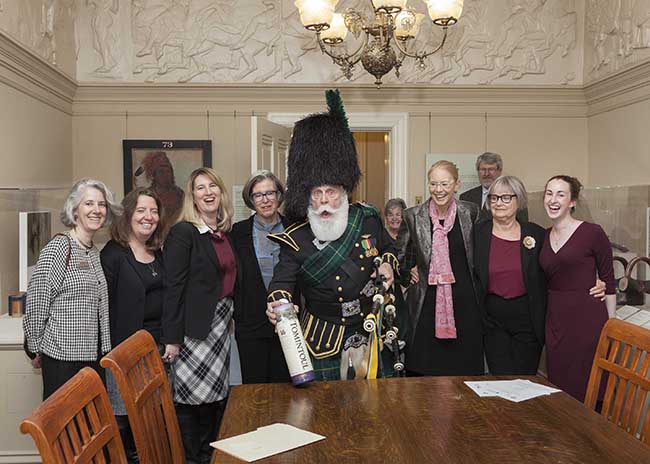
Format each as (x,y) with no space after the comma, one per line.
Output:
(416,228)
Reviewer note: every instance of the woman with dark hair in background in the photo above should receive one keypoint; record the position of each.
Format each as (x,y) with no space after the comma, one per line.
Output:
(200,273)
(573,254)
(66,321)
(132,263)
(260,353)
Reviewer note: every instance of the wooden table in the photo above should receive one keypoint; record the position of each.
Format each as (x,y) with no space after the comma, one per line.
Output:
(428,419)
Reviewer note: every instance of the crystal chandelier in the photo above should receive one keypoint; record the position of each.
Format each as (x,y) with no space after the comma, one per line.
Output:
(394,23)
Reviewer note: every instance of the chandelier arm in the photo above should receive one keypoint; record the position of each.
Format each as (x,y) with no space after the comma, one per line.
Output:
(421,56)
(344,58)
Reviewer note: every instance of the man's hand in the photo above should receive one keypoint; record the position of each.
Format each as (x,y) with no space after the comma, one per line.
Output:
(598,291)
(36,362)
(387,271)
(270,312)
(171,351)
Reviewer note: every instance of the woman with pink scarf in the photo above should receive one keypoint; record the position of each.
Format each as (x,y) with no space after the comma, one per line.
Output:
(446,336)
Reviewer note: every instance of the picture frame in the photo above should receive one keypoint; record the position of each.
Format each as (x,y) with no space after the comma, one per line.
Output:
(34,232)
(164,166)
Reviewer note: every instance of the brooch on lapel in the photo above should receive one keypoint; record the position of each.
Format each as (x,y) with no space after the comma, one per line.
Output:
(529,242)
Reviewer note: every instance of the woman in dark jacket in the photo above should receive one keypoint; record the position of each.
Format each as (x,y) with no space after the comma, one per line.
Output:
(260,353)
(200,273)
(511,286)
(132,264)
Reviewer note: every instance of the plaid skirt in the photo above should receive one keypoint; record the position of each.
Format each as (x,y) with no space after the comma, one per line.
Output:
(200,372)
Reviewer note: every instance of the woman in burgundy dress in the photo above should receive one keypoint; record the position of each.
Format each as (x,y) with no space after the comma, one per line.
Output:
(574,252)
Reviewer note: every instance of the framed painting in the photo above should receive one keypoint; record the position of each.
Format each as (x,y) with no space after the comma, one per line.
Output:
(34,232)
(164,166)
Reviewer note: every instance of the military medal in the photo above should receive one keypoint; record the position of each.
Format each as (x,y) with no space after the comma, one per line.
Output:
(368,245)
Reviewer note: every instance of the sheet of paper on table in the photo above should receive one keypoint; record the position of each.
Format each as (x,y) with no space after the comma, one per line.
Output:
(513,390)
(266,441)
(626,311)
(639,318)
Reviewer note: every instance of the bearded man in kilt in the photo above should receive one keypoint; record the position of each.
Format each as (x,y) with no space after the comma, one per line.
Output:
(328,251)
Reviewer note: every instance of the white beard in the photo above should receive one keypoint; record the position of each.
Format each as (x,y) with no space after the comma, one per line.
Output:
(330,229)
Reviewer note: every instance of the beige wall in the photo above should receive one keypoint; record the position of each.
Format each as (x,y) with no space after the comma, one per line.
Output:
(619,146)
(525,126)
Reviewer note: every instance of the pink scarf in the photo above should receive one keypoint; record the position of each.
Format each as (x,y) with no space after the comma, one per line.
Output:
(440,272)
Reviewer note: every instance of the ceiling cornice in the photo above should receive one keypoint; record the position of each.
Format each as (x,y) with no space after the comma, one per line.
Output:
(624,88)
(29,73)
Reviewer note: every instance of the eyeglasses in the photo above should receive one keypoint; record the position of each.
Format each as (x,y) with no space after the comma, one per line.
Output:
(488,170)
(506,198)
(329,193)
(445,184)
(259,196)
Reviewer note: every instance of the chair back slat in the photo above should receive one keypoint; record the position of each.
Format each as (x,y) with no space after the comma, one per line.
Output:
(141,378)
(623,359)
(76,424)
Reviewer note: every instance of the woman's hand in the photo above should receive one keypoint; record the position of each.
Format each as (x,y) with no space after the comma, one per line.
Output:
(598,291)
(415,277)
(36,361)
(171,351)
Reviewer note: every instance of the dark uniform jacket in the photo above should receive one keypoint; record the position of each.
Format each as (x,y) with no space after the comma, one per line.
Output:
(330,305)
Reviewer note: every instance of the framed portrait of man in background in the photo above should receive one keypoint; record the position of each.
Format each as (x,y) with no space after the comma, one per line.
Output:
(164,166)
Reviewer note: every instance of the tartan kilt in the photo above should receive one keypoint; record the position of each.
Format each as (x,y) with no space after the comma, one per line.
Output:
(201,370)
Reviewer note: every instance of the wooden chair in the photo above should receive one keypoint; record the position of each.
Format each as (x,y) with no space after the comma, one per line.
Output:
(76,424)
(623,355)
(140,375)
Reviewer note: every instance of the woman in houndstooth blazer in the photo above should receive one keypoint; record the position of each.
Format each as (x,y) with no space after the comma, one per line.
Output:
(66,321)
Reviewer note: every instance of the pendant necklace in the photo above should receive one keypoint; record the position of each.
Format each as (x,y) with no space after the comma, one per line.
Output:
(152,268)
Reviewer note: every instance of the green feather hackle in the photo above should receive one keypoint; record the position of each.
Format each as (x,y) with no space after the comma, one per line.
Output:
(335,105)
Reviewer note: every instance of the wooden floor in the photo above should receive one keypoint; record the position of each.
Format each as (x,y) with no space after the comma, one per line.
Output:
(428,419)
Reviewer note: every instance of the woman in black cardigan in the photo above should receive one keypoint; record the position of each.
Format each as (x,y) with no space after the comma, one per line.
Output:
(511,285)
(132,264)
(200,278)
(260,353)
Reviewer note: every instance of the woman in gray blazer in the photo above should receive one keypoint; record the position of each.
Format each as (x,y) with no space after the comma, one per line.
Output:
(446,336)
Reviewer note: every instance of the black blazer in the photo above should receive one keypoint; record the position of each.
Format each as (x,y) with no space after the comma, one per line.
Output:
(534,278)
(193,284)
(475,196)
(250,292)
(126,293)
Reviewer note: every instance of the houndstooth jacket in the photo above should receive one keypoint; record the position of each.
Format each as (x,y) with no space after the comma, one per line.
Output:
(67,303)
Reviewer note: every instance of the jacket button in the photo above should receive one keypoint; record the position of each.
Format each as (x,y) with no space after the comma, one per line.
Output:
(340,289)
(342,319)
(363,268)
(360,256)
(356,245)
(340,299)
(338,277)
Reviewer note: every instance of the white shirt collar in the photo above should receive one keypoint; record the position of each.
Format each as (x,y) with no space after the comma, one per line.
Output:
(202,227)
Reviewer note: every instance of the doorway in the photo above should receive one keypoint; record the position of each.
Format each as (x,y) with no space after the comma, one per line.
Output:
(373,153)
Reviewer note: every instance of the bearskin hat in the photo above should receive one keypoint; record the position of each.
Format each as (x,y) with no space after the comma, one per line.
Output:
(322,151)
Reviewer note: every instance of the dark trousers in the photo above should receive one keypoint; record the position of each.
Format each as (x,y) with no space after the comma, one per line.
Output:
(199,426)
(511,347)
(262,360)
(56,373)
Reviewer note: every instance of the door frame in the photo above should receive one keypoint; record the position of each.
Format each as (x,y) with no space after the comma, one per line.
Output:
(396,124)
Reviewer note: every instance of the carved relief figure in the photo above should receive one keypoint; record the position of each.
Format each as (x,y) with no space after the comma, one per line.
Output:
(47,43)
(101,24)
(641,20)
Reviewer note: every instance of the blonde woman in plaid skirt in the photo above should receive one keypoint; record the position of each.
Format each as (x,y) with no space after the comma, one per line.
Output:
(197,310)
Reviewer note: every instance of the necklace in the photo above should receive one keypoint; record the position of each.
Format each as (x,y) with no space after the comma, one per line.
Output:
(152,268)
(81,242)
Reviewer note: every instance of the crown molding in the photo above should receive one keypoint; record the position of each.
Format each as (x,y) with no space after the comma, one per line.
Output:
(196,99)
(27,72)
(624,88)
